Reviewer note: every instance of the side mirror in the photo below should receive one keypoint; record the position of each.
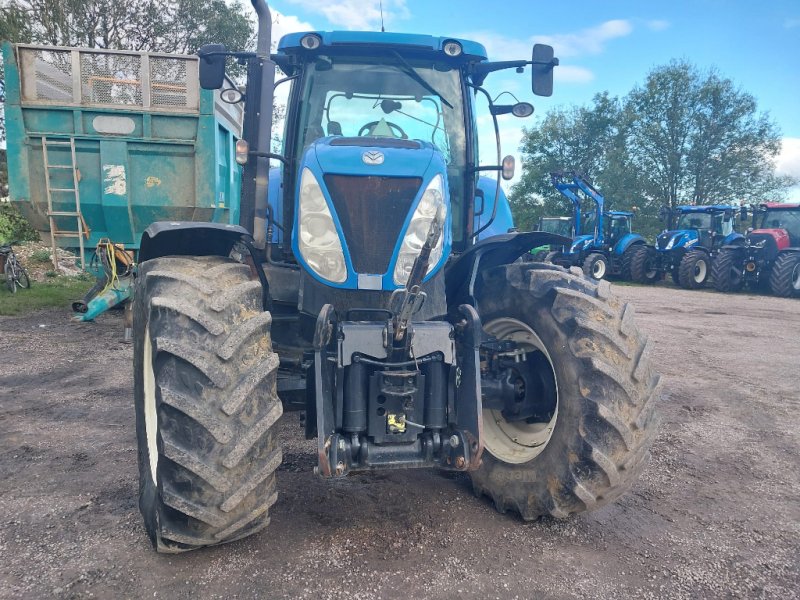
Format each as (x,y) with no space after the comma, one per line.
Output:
(508,167)
(542,63)
(212,66)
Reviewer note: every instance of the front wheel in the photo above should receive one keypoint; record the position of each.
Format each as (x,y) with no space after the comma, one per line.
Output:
(727,271)
(591,439)
(784,280)
(205,401)
(694,269)
(595,266)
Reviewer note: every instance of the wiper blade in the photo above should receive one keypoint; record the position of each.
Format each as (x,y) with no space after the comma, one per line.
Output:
(412,72)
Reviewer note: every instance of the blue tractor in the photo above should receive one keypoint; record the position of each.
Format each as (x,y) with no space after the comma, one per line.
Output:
(603,243)
(374,285)
(687,247)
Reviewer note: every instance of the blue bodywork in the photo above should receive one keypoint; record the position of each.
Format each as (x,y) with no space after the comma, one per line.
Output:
(369,41)
(324,158)
(576,188)
(320,158)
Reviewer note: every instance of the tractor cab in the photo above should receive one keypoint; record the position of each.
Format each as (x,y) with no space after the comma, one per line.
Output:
(619,225)
(559,225)
(776,217)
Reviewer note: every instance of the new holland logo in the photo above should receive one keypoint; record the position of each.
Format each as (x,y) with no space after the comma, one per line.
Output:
(372,157)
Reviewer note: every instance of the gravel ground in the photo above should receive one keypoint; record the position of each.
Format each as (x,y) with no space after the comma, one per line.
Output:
(716,514)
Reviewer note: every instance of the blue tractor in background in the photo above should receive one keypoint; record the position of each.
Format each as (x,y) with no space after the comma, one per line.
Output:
(375,286)
(603,243)
(687,247)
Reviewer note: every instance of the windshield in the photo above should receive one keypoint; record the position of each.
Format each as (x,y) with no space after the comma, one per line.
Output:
(694,221)
(557,226)
(619,226)
(784,219)
(390,97)
(706,222)
(587,226)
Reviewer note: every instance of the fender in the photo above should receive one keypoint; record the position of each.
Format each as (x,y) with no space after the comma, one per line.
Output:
(628,240)
(190,238)
(462,273)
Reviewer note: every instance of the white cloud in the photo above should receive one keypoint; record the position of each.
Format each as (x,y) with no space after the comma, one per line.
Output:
(588,41)
(658,25)
(788,162)
(356,14)
(283,24)
(572,74)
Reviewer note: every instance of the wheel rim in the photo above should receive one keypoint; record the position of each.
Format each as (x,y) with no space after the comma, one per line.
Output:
(517,442)
(150,416)
(796,277)
(700,271)
(599,269)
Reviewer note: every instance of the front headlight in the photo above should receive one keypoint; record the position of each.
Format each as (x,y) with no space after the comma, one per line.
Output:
(317,238)
(671,243)
(417,232)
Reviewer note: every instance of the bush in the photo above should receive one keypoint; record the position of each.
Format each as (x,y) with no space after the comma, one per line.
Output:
(44,255)
(13,226)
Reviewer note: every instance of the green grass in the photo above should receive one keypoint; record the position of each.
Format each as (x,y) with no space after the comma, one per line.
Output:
(58,292)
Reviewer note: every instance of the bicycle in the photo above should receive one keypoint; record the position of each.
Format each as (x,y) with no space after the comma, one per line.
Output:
(16,275)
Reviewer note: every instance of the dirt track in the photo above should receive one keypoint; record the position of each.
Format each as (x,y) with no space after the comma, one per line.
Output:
(717,514)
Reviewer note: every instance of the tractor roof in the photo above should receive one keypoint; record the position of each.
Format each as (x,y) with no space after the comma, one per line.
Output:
(710,208)
(366,42)
(781,205)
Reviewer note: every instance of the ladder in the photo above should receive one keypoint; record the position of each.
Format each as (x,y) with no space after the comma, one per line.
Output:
(69,194)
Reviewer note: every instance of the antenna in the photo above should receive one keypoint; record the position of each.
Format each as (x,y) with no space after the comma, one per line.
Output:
(382,28)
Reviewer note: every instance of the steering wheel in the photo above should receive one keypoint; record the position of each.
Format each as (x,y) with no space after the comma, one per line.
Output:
(366,129)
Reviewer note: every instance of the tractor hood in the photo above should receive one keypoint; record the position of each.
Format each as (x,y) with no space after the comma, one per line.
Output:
(378,197)
(580,242)
(373,156)
(676,238)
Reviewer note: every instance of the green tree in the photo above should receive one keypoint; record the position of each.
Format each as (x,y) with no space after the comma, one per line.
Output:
(683,137)
(694,138)
(589,140)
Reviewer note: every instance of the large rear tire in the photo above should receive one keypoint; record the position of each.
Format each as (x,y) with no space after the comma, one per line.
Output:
(784,280)
(694,269)
(597,439)
(205,399)
(727,271)
(643,265)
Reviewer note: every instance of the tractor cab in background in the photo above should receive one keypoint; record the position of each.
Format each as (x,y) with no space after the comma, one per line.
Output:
(603,243)
(769,258)
(687,247)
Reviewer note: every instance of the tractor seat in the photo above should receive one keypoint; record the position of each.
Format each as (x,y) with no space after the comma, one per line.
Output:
(334,128)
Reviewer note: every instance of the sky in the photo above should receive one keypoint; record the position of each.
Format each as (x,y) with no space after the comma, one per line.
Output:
(603,45)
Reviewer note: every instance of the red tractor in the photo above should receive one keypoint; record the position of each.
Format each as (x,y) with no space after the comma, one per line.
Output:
(770,255)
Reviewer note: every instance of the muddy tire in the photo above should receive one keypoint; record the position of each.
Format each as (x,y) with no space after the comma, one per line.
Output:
(784,280)
(205,400)
(597,439)
(727,271)
(595,266)
(643,268)
(694,270)
(627,260)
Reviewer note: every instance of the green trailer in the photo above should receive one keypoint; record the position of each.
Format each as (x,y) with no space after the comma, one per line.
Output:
(102,143)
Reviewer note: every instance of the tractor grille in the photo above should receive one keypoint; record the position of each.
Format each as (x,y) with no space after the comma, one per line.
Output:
(662,240)
(372,211)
